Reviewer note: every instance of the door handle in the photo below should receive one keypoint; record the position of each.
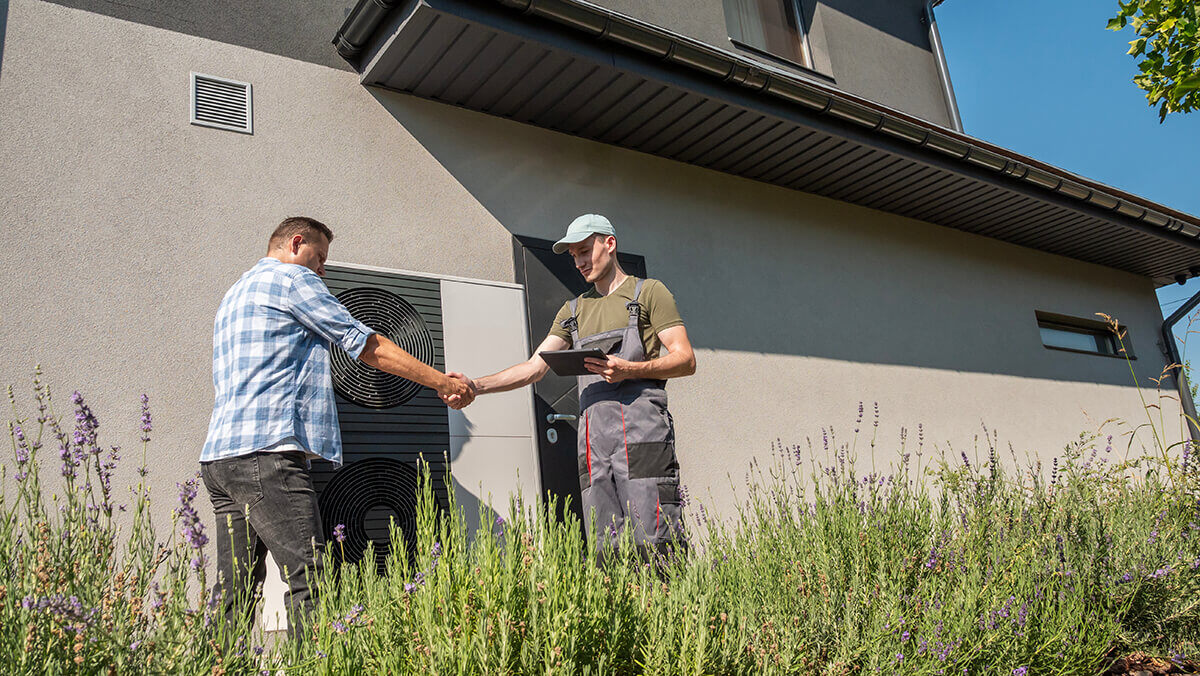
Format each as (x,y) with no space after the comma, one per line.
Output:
(555,417)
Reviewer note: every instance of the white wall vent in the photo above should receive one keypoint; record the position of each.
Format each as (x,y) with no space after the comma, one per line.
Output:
(222,103)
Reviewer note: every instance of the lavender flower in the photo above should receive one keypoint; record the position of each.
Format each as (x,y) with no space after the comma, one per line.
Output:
(192,529)
(339,533)
(1020,671)
(147,421)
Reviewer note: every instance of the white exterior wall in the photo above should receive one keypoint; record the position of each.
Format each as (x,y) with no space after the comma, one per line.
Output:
(125,225)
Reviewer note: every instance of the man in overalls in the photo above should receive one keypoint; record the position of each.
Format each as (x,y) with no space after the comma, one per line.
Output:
(628,472)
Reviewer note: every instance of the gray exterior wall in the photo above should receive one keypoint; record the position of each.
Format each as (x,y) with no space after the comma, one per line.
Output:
(876,49)
(125,225)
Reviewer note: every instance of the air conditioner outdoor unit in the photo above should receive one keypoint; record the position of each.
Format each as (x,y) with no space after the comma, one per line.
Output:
(388,423)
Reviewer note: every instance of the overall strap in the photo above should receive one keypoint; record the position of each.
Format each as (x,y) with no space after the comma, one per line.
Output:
(571,323)
(634,306)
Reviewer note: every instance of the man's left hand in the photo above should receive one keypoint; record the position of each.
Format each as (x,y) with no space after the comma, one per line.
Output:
(612,369)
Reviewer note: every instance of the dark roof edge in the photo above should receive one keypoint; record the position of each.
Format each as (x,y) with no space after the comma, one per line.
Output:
(821,98)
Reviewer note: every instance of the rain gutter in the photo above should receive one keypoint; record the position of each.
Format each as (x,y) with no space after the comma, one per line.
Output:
(603,24)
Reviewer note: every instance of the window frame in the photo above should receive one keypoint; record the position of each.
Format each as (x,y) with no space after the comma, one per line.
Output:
(1052,320)
(737,34)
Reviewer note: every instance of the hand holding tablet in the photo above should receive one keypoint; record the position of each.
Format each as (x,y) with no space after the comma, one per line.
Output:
(570,362)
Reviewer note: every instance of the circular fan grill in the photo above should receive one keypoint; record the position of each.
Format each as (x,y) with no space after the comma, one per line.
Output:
(364,496)
(399,321)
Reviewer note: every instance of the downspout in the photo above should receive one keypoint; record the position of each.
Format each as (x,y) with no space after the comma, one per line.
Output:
(360,25)
(939,57)
(1173,357)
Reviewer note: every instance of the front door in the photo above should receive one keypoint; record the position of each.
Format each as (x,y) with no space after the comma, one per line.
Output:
(550,280)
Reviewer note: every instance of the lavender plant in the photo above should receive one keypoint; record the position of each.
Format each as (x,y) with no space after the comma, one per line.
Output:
(945,563)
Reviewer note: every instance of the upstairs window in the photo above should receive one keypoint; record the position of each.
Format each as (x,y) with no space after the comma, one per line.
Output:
(771,26)
(1073,334)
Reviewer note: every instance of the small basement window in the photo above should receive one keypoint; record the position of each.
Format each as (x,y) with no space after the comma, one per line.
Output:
(1088,336)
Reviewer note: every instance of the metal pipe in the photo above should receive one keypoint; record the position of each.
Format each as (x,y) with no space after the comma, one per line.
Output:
(360,25)
(1173,357)
(939,57)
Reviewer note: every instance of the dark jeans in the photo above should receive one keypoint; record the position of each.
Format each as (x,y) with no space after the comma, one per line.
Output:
(265,502)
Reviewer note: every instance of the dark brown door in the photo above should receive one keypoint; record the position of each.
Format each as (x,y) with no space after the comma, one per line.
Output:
(550,280)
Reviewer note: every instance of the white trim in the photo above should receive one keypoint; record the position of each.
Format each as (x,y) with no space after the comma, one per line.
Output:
(426,275)
(248,129)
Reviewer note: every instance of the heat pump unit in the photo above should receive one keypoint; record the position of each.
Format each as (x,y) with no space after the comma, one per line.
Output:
(387,423)
(476,327)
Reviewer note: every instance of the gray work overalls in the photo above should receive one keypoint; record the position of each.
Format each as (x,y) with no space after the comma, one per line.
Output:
(628,472)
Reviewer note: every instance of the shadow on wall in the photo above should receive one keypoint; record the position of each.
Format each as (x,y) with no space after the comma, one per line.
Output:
(899,19)
(758,268)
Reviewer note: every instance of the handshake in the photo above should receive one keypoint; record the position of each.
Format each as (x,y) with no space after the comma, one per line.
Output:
(459,391)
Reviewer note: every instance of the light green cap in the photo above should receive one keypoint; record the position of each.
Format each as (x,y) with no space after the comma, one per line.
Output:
(583,227)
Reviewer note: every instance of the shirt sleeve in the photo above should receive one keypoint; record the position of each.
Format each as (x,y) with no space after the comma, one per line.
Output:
(310,302)
(556,328)
(660,305)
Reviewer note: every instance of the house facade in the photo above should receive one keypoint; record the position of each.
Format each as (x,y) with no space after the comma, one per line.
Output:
(792,172)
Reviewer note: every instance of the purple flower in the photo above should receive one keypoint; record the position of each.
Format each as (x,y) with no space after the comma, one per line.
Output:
(339,532)
(409,587)
(192,529)
(147,421)
(339,627)
(1161,572)
(1020,671)
(499,521)
(904,637)
(135,645)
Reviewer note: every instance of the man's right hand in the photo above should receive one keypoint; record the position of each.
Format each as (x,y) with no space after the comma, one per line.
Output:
(458,391)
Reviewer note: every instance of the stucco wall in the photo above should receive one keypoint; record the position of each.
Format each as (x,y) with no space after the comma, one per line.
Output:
(877,49)
(124,226)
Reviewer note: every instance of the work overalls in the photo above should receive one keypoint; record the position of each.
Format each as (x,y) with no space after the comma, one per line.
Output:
(628,472)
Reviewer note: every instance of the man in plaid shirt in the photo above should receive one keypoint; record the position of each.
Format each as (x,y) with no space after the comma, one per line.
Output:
(275,409)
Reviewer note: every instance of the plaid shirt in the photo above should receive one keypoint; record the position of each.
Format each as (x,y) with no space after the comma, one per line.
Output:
(271,363)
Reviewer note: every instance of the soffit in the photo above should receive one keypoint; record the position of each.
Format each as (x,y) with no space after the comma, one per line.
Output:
(665,101)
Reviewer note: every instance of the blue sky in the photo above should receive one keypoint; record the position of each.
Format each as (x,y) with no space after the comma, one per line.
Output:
(1047,80)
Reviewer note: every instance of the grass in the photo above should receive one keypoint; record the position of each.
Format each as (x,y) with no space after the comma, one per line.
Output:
(940,565)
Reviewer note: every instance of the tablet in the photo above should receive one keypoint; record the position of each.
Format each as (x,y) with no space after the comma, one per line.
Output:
(570,362)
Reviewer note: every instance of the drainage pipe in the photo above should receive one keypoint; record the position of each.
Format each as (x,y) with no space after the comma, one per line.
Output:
(1173,357)
(939,57)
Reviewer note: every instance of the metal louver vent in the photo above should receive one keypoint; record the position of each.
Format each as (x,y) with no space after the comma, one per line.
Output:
(364,497)
(221,103)
(399,321)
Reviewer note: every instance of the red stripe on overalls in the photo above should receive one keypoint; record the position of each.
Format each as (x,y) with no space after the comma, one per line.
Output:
(587,439)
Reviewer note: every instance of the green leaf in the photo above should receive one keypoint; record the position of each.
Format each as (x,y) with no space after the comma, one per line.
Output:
(1189,83)
(1136,46)
(1116,24)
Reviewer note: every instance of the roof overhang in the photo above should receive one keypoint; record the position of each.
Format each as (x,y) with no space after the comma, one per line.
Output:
(584,70)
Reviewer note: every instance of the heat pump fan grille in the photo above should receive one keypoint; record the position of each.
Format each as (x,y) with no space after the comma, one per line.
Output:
(395,318)
(365,496)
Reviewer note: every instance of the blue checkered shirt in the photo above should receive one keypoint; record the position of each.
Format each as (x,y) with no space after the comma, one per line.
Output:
(271,363)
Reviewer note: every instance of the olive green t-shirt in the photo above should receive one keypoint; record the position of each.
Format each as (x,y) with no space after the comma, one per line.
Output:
(597,313)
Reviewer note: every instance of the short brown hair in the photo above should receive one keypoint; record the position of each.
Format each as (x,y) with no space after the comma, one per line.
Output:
(298,225)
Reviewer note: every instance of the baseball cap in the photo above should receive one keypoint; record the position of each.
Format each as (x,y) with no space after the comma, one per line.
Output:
(583,227)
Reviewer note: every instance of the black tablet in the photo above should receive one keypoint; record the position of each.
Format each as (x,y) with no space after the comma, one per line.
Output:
(570,362)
